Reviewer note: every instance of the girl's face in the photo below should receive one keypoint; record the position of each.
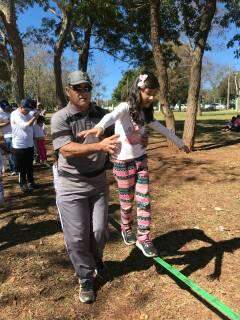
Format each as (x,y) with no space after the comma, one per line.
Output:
(148,96)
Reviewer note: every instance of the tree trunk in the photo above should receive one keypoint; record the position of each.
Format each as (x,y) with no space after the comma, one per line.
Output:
(17,73)
(58,51)
(199,112)
(161,67)
(195,74)
(84,51)
(57,67)
(8,15)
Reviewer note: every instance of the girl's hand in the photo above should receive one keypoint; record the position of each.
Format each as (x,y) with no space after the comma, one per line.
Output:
(97,131)
(185,149)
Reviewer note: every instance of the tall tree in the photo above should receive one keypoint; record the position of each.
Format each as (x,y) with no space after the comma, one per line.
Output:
(98,26)
(11,47)
(84,26)
(54,32)
(66,8)
(121,92)
(160,61)
(153,27)
(198,17)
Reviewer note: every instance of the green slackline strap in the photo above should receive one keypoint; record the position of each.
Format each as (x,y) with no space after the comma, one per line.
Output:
(216,303)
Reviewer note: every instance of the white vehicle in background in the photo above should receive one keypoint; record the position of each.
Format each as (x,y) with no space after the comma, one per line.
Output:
(213,106)
(176,107)
(183,107)
(220,106)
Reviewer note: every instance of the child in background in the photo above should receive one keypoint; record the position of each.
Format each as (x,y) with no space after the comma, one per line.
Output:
(130,161)
(229,125)
(39,136)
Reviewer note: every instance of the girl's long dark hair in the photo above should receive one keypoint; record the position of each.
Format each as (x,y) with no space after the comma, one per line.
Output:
(134,99)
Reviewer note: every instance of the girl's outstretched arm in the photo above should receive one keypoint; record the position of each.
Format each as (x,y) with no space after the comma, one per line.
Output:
(157,126)
(108,120)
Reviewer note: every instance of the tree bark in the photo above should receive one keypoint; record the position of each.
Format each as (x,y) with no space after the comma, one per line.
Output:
(84,51)
(195,74)
(8,16)
(161,67)
(58,51)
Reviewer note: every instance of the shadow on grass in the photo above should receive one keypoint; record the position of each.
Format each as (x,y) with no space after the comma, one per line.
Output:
(169,244)
(219,144)
(37,201)
(17,233)
(208,134)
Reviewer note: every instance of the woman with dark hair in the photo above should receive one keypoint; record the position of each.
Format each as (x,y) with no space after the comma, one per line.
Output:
(130,162)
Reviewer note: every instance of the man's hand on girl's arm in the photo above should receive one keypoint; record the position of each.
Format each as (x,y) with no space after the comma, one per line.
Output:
(97,131)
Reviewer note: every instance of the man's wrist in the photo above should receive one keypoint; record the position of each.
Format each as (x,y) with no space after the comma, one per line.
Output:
(99,147)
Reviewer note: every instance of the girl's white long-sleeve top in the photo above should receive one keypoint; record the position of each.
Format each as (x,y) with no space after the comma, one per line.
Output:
(130,134)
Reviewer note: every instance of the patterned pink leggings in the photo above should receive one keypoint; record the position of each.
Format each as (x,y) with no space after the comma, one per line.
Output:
(133,179)
(42,150)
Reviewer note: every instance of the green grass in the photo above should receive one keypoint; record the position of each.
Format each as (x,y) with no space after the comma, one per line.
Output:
(209,126)
(208,129)
(210,115)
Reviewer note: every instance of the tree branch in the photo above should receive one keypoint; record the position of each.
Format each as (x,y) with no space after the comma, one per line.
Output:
(110,53)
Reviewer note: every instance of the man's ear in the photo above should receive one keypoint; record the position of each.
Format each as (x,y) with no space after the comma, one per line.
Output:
(67,91)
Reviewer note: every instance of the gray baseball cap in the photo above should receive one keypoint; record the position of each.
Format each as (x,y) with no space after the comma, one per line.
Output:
(78,77)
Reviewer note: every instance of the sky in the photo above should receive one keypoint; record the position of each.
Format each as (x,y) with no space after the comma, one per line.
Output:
(111,69)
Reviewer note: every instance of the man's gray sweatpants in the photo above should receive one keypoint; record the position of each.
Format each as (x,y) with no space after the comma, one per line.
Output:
(83,207)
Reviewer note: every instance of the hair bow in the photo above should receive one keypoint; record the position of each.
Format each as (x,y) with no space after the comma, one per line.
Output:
(142,78)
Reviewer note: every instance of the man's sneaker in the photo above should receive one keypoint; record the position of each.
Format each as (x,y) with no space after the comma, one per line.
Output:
(129,237)
(147,248)
(24,188)
(101,271)
(86,292)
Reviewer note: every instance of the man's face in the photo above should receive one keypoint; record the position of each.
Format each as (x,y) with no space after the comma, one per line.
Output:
(79,95)
(24,111)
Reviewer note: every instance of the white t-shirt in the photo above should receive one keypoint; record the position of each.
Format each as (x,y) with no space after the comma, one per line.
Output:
(38,131)
(130,134)
(22,134)
(6,130)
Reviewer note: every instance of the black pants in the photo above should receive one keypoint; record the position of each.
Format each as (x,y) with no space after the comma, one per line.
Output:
(24,164)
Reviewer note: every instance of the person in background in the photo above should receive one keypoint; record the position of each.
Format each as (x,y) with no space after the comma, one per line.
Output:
(5,113)
(23,144)
(41,110)
(14,106)
(236,124)
(39,137)
(229,126)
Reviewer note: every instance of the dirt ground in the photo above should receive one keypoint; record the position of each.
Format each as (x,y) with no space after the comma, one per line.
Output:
(195,226)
